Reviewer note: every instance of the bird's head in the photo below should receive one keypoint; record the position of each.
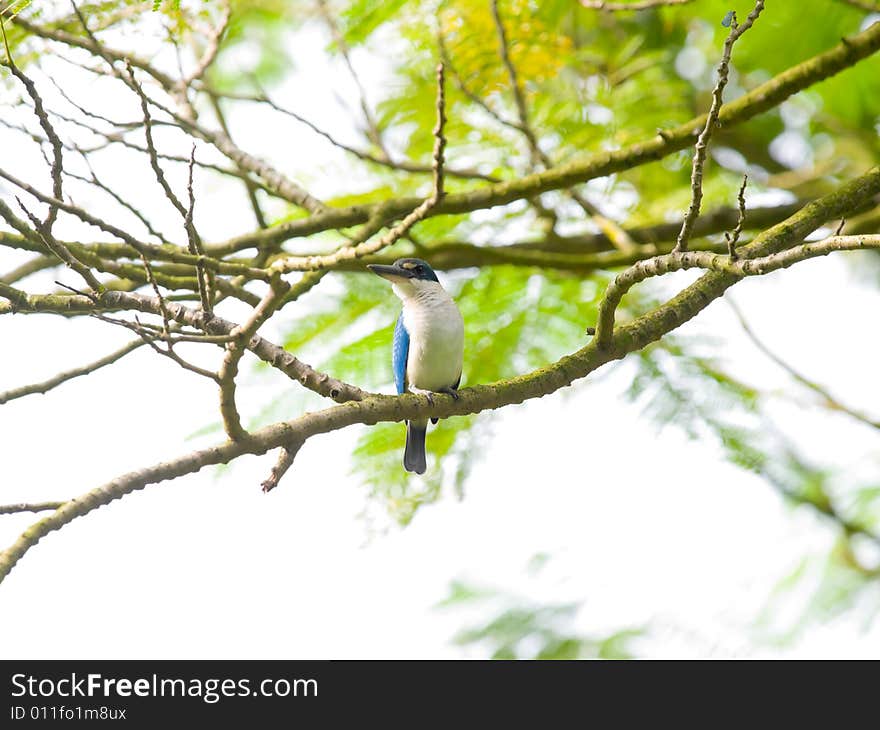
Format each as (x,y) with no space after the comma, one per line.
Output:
(407,276)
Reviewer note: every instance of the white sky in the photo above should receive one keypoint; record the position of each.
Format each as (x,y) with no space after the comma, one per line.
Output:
(645,527)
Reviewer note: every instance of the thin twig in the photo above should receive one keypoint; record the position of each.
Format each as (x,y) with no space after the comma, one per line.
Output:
(151,147)
(93,46)
(178,256)
(150,339)
(733,238)
(57,164)
(10,509)
(163,309)
(311,263)
(195,243)
(249,184)
(623,7)
(758,266)
(374,134)
(393,164)
(829,400)
(93,180)
(63,377)
(702,146)
(61,251)
(213,48)
(518,97)
(538,157)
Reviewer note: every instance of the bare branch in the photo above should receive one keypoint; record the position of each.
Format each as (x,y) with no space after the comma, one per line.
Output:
(90,44)
(737,269)
(401,165)
(211,51)
(828,400)
(286,455)
(139,247)
(63,377)
(702,145)
(636,5)
(40,111)
(236,348)
(149,338)
(375,408)
(733,238)
(61,251)
(373,132)
(38,263)
(195,243)
(274,355)
(311,263)
(93,180)
(763,97)
(151,147)
(10,509)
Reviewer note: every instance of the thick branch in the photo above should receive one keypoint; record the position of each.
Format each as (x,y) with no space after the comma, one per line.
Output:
(659,265)
(276,356)
(236,348)
(373,409)
(765,96)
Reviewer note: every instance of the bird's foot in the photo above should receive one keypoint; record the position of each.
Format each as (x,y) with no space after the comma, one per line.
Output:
(450,391)
(427,393)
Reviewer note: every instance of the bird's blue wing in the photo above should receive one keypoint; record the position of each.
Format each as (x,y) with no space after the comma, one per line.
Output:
(399,354)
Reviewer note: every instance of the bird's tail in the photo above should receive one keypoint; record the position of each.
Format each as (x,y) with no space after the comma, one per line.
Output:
(414,454)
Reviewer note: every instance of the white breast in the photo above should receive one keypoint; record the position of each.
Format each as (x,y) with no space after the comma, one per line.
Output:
(436,339)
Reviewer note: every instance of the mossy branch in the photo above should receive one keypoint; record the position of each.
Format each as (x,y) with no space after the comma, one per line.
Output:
(763,255)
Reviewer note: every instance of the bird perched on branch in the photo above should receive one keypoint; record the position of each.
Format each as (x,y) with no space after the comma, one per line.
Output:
(428,344)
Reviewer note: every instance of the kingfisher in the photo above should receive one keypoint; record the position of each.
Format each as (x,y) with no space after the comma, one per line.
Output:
(428,346)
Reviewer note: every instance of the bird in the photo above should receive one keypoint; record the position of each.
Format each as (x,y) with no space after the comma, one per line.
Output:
(428,347)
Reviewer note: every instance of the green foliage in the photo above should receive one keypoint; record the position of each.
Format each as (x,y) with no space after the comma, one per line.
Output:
(515,627)
(695,393)
(263,26)
(361,18)
(515,319)
(592,81)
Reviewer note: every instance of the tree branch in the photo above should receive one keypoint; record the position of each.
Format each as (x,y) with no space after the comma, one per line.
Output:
(636,5)
(702,146)
(10,509)
(827,399)
(236,348)
(63,377)
(765,96)
(758,257)
(375,408)
(311,263)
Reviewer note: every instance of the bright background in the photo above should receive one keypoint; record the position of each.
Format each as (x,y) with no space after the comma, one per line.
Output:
(644,527)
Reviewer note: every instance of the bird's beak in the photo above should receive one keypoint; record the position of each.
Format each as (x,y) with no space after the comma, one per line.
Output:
(390,272)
